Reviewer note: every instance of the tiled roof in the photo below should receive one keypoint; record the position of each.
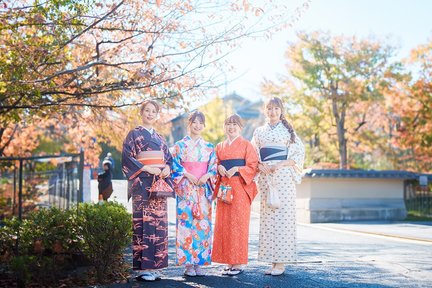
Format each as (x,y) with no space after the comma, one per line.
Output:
(329,173)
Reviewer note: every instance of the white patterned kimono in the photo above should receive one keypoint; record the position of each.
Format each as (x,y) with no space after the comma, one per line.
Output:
(277,235)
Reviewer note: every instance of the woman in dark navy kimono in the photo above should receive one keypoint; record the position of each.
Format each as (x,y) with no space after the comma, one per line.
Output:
(146,156)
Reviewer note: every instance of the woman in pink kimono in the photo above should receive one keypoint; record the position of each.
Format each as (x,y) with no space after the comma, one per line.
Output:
(194,170)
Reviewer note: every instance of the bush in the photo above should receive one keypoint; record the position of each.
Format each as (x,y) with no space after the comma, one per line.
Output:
(8,236)
(106,231)
(47,240)
(51,239)
(50,231)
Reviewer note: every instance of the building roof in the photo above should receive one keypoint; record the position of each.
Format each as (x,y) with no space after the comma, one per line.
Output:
(387,174)
(179,117)
(250,111)
(242,106)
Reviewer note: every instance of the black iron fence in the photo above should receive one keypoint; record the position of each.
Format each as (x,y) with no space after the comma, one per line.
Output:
(418,198)
(29,183)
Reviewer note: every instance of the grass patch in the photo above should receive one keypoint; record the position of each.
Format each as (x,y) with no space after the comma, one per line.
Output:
(417,216)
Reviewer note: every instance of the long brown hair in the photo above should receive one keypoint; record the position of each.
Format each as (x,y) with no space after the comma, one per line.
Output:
(277,102)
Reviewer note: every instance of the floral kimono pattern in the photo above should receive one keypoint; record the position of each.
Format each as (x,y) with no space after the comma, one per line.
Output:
(193,243)
(150,223)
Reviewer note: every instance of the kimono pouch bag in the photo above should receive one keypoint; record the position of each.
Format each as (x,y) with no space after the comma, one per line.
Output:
(272,200)
(225,193)
(160,188)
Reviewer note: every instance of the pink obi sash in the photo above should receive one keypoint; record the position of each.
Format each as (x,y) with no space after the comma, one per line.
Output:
(198,169)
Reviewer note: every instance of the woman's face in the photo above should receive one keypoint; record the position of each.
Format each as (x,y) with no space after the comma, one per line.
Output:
(149,114)
(232,130)
(196,127)
(273,113)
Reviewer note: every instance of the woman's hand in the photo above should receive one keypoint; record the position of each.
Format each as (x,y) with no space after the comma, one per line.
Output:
(165,172)
(203,179)
(264,168)
(288,163)
(191,178)
(222,171)
(232,171)
(152,170)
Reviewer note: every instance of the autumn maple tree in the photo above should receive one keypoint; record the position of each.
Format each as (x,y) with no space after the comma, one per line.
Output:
(94,59)
(410,105)
(335,85)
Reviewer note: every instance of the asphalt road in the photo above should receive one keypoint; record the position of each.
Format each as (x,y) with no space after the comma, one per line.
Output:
(330,255)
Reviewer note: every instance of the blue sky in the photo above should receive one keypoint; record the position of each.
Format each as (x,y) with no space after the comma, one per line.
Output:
(408,23)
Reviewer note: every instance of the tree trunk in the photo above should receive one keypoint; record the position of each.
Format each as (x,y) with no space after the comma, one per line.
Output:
(340,126)
(8,141)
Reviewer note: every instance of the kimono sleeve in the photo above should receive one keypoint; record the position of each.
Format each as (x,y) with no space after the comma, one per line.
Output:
(248,171)
(178,170)
(217,154)
(167,154)
(296,152)
(212,170)
(130,166)
(256,143)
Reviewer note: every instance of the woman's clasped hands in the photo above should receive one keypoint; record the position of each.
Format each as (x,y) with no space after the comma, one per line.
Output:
(163,173)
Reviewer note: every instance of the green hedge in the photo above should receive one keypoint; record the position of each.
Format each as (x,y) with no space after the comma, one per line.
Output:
(53,241)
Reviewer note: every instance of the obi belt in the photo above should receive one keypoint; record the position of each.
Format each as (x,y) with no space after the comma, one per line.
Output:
(229,163)
(153,158)
(269,153)
(198,169)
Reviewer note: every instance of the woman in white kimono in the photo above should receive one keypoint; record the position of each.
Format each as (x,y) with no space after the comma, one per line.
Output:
(281,155)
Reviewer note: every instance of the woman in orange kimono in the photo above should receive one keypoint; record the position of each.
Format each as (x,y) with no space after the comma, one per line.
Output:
(237,166)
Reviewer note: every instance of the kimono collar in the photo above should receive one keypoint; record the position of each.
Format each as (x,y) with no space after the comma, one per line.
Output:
(187,138)
(230,142)
(151,130)
(274,126)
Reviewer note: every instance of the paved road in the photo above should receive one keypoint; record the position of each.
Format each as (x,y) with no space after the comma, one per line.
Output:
(374,254)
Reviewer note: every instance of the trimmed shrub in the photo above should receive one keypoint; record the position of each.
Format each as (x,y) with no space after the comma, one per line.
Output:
(53,240)
(106,231)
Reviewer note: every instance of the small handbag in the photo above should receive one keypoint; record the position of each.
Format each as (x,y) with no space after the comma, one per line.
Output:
(273,200)
(160,188)
(225,193)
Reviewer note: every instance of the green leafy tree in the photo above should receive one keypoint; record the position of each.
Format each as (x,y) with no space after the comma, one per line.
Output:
(216,111)
(339,82)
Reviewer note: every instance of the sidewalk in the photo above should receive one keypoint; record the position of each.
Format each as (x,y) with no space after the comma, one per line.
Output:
(363,254)
(415,232)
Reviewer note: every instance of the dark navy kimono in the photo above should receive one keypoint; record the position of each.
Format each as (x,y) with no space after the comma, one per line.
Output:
(150,223)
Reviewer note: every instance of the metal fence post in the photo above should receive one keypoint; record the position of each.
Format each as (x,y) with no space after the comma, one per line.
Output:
(20,184)
(81,176)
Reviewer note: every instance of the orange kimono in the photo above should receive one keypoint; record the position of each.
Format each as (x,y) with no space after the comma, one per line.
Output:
(231,233)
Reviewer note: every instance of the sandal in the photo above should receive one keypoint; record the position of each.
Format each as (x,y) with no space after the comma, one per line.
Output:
(226,270)
(157,274)
(269,271)
(198,271)
(146,277)
(235,271)
(190,271)
(277,272)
